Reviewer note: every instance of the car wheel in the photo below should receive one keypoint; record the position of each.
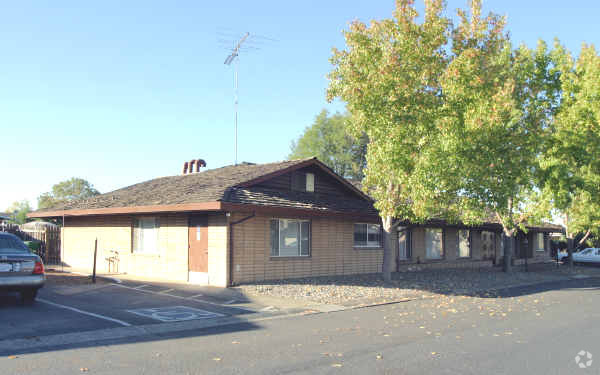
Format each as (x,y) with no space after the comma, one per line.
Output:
(28,296)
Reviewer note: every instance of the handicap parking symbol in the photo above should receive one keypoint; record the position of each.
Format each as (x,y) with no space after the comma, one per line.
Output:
(175,313)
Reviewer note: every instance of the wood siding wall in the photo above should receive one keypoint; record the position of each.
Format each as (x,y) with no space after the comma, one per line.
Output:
(332,252)
(324,183)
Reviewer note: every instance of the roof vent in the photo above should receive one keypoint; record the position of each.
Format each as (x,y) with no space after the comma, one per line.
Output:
(188,166)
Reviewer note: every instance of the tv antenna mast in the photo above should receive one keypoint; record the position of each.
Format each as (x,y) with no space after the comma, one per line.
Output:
(243,43)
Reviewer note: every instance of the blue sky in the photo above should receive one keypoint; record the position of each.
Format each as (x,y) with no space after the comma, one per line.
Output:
(119,94)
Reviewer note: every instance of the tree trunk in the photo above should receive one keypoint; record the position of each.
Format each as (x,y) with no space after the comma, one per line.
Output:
(570,243)
(508,250)
(585,237)
(386,268)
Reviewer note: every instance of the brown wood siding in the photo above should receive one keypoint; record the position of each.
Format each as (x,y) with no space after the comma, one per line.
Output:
(324,183)
(332,252)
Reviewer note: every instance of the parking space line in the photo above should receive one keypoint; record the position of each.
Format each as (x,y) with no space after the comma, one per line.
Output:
(166,291)
(184,298)
(197,295)
(84,312)
(139,287)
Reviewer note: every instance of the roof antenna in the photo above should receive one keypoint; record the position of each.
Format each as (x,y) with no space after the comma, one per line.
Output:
(234,53)
(248,43)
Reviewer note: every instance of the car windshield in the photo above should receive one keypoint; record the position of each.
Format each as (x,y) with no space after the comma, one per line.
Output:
(12,244)
(586,251)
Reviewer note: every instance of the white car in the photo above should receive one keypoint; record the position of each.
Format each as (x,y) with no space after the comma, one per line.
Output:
(589,255)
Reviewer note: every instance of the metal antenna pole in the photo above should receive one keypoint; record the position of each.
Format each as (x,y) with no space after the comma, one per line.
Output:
(235,78)
(228,61)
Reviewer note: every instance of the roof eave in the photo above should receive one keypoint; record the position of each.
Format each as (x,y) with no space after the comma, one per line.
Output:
(304,212)
(187,207)
(209,206)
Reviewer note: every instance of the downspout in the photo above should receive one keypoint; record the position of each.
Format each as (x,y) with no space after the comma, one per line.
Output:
(230,276)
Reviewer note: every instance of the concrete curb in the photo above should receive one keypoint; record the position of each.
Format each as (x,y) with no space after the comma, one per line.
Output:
(109,278)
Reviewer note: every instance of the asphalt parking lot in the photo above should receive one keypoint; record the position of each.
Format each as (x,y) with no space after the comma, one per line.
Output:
(67,308)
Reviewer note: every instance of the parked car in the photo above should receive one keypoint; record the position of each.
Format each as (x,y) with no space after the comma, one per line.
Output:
(20,270)
(588,255)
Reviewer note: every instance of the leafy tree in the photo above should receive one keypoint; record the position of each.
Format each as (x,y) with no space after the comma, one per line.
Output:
(454,116)
(497,105)
(389,77)
(66,191)
(328,140)
(571,163)
(19,209)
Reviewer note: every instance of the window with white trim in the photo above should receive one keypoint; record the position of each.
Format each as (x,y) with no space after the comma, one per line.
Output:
(434,243)
(302,181)
(145,235)
(290,238)
(464,243)
(539,241)
(367,235)
(310,182)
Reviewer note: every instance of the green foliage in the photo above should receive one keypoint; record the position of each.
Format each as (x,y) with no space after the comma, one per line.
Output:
(571,163)
(66,191)
(328,139)
(389,77)
(19,209)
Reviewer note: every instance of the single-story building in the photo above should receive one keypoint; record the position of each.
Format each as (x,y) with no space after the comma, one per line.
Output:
(253,222)
(439,244)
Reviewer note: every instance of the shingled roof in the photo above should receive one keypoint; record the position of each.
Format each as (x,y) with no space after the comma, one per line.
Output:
(230,184)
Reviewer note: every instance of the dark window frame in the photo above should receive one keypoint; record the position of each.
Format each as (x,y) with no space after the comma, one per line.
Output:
(367,245)
(408,243)
(470,239)
(443,250)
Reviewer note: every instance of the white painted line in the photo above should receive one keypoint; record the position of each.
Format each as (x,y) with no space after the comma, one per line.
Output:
(230,302)
(166,291)
(138,287)
(84,312)
(197,295)
(268,308)
(185,298)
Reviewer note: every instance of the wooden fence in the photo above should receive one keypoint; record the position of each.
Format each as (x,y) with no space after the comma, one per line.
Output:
(48,236)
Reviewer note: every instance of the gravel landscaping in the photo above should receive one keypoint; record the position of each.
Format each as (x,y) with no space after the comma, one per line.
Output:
(353,290)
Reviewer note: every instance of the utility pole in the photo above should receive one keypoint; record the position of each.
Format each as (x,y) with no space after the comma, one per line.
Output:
(235,53)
